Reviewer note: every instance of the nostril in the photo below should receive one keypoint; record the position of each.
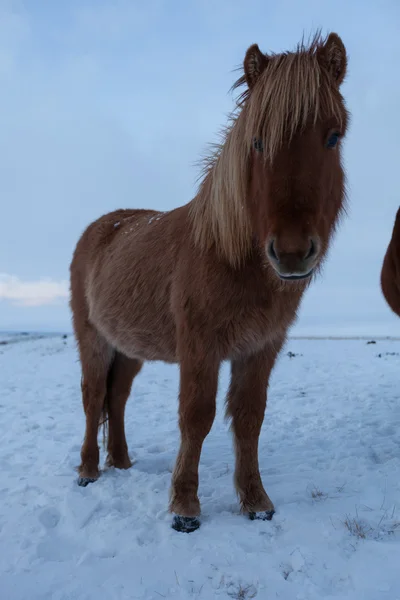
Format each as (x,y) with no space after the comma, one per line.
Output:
(312,251)
(271,251)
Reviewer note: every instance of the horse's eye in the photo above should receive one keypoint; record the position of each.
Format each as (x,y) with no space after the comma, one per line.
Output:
(258,145)
(332,140)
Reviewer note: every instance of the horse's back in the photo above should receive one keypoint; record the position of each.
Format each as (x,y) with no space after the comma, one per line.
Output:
(101,231)
(390,273)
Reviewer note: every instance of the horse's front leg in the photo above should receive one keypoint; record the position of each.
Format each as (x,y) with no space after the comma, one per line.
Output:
(246,404)
(198,388)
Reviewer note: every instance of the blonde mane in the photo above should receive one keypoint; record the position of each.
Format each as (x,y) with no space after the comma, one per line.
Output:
(292,89)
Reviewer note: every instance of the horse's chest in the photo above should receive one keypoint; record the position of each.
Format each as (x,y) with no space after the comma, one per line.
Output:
(258,325)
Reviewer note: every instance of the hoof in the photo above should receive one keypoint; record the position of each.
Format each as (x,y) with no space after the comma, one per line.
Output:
(262,515)
(118,463)
(185,524)
(83,481)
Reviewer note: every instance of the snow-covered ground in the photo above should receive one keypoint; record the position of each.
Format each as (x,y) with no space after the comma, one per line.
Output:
(329,457)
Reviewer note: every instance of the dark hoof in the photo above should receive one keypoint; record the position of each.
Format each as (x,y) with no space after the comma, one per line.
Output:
(185,524)
(263,515)
(83,481)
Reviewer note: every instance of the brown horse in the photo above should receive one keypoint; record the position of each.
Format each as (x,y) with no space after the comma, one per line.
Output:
(390,274)
(220,278)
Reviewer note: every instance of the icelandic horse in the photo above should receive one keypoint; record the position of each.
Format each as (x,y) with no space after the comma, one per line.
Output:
(220,278)
(390,272)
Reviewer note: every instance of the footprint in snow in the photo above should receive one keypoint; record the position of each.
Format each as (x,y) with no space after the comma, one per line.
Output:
(49,517)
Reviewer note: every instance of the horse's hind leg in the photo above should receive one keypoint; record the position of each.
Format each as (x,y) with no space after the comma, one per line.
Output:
(120,379)
(96,358)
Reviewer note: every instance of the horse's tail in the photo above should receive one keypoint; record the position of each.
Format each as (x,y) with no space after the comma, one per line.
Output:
(103,423)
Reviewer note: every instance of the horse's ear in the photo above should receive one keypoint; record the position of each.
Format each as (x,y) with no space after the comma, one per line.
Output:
(254,64)
(333,56)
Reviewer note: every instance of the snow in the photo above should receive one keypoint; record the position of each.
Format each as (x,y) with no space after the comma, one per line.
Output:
(155,217)
(329,457)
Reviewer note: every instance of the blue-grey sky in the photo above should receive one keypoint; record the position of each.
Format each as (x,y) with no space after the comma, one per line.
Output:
(107,104)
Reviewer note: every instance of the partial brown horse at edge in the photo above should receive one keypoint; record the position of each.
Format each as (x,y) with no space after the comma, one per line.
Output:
(220,278)
(390,273)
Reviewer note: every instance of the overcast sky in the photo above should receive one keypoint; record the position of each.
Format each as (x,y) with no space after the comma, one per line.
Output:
(108,104)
